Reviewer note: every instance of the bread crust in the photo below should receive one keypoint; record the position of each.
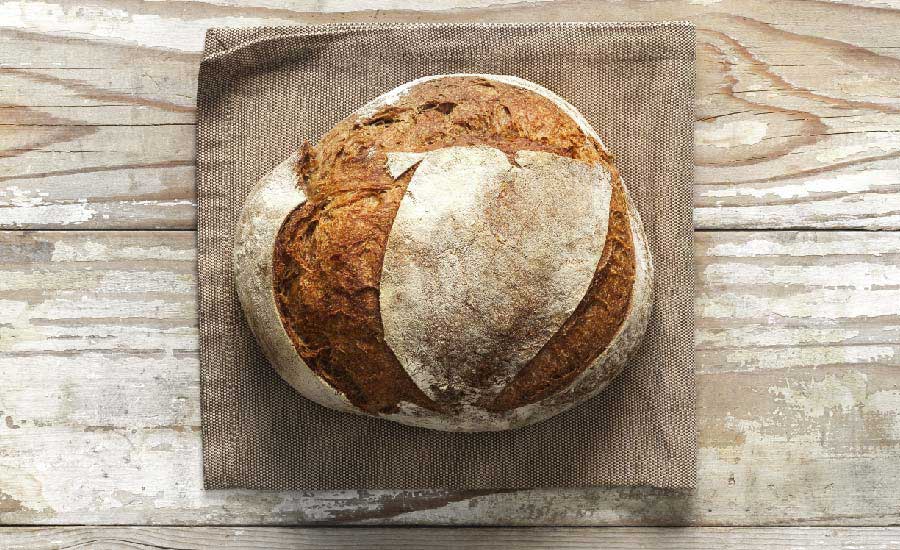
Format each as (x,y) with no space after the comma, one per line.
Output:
(270,200)
(327,258)
(485,261)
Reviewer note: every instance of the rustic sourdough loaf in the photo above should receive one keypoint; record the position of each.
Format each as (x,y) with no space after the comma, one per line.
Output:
(459,254)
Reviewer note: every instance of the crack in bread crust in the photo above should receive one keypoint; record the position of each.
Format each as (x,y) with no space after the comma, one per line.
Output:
(328,255)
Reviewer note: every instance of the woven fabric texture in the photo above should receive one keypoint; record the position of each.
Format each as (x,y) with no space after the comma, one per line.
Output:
(263,91)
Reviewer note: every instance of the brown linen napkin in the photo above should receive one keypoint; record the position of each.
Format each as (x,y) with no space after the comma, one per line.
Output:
(263,91)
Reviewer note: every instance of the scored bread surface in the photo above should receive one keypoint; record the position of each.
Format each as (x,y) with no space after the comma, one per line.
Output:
(499,283)
(353,281)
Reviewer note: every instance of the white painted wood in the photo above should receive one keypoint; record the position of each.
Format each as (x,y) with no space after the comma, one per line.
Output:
(182,30)
(275,538)
(797,333)
(798,355)
(797,104)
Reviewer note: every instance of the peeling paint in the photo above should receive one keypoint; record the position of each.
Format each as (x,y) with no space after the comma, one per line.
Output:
(9,504)
(756,337)
(808,356)
(20,493)
(58,214)
(883,143)
(868,211)
(23,208)
(820,304)
(91,251)
(831,394)
(859,275)
(856,182)
(873,245)
(93,282)
(724,134)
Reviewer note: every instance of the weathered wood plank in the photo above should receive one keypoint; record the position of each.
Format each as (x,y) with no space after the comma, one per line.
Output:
(276,538)
(798,104)
(798,358)
(90,138)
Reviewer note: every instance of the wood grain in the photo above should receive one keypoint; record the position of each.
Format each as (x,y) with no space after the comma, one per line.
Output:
(798,127)
(798,349)
(798,104)
(274,538)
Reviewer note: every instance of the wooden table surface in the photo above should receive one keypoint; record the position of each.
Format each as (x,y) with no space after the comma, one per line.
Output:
(798,299)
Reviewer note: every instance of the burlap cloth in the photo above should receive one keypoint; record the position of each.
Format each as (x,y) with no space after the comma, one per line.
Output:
(262,91)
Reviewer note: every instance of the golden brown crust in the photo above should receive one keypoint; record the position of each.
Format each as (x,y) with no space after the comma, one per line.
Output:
(328,255)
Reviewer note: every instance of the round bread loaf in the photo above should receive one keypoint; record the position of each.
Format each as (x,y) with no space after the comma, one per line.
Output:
(458,254)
